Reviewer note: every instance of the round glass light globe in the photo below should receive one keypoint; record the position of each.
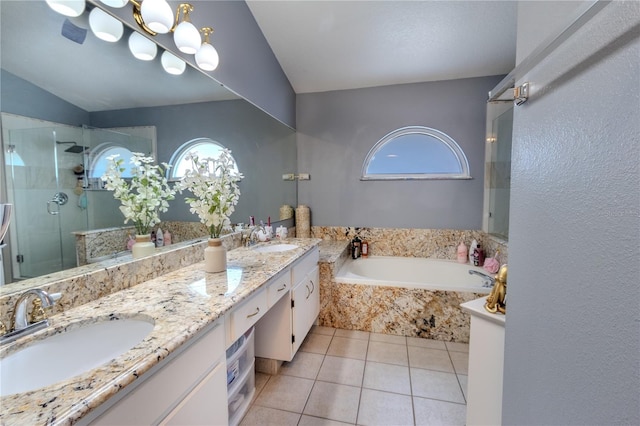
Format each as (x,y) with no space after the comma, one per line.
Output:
(172,64)
(105,26)
(207,57)
(141,47)
(187,38)
(157,15)
(71,8)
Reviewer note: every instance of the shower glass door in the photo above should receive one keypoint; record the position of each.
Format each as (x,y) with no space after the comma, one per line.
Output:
(45,193)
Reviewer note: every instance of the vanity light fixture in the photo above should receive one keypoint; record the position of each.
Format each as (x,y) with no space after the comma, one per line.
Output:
(207,56)
(115,3)
(70,8)
(105,26)
(186,36)
(172,64)
(141,47)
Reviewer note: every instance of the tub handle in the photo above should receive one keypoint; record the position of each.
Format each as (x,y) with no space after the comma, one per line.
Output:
(255,313)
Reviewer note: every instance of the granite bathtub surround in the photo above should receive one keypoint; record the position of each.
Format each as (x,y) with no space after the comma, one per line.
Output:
(180,303)
(390,310)
(414,242)
(90,282)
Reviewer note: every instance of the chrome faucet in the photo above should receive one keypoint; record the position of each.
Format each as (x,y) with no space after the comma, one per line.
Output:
(487,280)
(20,322)
(253,235)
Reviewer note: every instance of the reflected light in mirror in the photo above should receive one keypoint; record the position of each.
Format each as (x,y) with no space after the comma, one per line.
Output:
(172,64)
(71,8)
(115,3)
(141,47)
(105,26)
(157,15)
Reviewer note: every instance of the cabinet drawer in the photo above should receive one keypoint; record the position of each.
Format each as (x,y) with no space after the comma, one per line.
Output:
(158,394)
(245,315)
(278,287)
(304,265)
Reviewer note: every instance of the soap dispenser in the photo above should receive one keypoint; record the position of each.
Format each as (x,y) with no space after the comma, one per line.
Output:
(463,254)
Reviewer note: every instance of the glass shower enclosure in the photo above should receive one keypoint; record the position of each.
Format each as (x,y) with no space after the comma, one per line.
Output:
(54,193)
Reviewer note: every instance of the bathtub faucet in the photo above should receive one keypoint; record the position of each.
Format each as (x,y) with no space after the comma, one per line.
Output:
(487,280)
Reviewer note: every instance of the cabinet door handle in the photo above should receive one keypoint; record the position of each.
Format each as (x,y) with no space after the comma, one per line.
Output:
(308,291)
(282,288)
(313,286)
(255,313)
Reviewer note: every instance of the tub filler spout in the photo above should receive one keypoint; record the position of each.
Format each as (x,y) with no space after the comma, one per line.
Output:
(488,281)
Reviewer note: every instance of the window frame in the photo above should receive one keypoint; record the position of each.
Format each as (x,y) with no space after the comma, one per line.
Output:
(448,142)
(180,153)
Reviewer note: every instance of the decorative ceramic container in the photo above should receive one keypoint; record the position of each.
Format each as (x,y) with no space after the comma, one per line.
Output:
(215,256)
(143,247)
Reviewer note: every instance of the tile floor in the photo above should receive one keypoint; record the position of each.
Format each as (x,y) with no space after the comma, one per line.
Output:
(341,377)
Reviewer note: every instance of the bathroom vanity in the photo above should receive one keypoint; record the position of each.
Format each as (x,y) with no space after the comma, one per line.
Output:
(177,374)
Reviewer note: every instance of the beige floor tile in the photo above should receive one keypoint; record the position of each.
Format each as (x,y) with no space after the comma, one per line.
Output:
(319,329)
(353,334)
(317,421)
(387,377)
(436,385)
(345,371)
(426,343)
(460,362)
(388,353)
(462,379)
(431,412)
(261,381)
(316,343)
(348,348)
(383,408)
(431,359)
(457,347)
(388,338)
(304,364)
(285,393)
(261,416)
(333,401)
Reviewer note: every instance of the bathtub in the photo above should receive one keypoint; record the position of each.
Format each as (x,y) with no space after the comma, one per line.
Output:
(414,297)
(413,273)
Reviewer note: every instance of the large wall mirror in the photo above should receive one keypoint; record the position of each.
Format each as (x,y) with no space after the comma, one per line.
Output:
(55,89)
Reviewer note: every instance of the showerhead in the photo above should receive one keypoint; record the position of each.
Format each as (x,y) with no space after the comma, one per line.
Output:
(75,148)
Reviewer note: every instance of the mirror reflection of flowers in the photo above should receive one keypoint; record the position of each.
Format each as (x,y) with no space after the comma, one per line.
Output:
(144,195)
(214,185)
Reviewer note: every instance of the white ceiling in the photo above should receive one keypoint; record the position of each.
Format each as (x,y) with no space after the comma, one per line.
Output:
(334,45)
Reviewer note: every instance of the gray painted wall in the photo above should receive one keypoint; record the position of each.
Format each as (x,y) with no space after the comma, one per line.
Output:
(23,98)
(263,148)
(572,349)
(336,130)
(247,64)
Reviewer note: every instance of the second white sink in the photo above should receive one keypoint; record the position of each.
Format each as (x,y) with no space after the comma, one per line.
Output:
(65,355)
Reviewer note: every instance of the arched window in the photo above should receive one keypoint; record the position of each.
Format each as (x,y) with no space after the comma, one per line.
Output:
(99,162)
(415,152)
(203,147)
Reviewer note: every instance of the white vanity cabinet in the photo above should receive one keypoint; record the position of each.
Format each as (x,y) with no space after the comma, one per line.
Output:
(281,331)
(189,387)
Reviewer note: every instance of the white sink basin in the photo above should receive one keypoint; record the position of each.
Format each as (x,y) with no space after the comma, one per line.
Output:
(274,248)
(65,355)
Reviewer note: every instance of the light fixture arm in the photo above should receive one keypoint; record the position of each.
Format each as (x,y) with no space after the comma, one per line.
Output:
(185,8)
(206,32)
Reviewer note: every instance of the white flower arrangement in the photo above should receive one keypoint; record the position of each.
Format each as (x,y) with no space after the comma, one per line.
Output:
(143,195)
(214,184)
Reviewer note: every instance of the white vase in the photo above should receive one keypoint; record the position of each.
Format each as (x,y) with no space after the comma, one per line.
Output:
(215,256)
(143,247)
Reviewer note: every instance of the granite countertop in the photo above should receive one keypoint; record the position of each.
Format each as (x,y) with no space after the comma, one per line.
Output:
(180,303)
